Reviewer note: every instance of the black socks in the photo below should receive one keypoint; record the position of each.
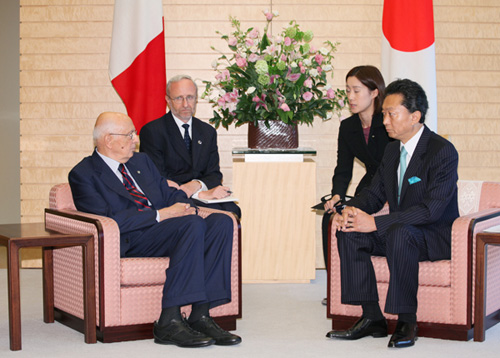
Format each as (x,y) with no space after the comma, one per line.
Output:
(371,310)
(168,314)
(198,310)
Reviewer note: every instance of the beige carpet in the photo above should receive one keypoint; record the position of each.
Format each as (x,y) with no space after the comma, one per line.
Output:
(279,320)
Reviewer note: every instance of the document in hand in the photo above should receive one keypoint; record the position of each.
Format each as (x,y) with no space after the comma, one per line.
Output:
(214,201)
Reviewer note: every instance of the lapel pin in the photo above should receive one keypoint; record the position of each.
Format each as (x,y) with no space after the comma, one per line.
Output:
(138,172)
(199,141)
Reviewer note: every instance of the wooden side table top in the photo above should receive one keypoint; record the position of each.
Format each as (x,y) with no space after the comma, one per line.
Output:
(29,232)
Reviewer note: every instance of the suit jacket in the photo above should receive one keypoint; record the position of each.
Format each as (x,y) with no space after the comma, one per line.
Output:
(428,195)
(96,189)
(163,142)
(351,145)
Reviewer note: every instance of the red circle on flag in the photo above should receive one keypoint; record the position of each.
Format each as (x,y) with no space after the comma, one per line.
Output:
(408,25)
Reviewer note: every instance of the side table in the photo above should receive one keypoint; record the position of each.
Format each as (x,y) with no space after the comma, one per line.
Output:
(482,239)
(17,236)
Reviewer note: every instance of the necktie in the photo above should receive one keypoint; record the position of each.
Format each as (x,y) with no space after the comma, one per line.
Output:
(402,169)
(187,138)
(140,199)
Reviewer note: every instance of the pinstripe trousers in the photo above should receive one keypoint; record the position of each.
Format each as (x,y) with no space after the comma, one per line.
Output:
(403,246)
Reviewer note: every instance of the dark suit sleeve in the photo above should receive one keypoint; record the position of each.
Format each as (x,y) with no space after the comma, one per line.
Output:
(441,180)
(88,197)
(343,171)
(152,142)
(211,174)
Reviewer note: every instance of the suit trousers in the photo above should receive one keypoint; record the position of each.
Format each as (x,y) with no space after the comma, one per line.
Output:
(402,245)
(200,258)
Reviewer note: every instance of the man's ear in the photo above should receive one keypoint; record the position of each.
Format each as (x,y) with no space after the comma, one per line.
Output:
(415,117)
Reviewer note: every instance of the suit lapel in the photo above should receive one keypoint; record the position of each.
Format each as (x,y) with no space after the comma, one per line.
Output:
(108,177)
(138,174)
(198,142)
(176,138)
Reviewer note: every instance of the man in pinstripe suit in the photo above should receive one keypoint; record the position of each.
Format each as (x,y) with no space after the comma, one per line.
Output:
(418,178)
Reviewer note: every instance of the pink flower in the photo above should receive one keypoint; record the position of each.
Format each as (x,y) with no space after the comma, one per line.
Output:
(269,15)
(308,83)
(232,41)
(330,94)
(307,96)
(223,76)
(241,62)
(256,99)
(253,57)
(319,58)
(249,42)
(285,107)
(288,41)
(283,57)
(253,34)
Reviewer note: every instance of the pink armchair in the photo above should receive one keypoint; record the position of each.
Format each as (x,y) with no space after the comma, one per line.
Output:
(446,288)
(128,290)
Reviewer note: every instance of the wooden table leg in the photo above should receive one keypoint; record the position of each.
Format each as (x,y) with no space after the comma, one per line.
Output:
(14,297)
(480,296)
(48,285)
(89,302)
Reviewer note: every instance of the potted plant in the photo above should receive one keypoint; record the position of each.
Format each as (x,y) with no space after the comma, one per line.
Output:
(272,83)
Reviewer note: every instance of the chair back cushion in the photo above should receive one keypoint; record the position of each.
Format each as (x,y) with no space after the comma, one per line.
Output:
(60,197)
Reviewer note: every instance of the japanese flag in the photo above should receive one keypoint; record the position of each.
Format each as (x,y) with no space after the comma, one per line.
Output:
(408,49)
(137,59)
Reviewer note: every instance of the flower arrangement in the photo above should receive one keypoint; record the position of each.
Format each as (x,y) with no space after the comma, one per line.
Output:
(267,77)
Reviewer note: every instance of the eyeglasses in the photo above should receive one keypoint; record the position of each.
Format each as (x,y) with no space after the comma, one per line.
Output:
(130,135)
(180,99)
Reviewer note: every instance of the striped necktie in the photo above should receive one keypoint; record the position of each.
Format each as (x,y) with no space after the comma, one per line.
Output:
(140,199)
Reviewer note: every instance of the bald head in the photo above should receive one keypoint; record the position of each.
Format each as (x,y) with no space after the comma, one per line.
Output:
(114,136)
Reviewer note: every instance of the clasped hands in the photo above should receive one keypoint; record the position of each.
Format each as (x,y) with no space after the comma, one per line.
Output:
(353,219)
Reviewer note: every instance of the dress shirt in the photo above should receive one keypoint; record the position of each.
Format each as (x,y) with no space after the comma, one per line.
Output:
(410,147)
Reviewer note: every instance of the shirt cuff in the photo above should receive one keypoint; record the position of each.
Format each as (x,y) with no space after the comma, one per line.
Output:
(203,188)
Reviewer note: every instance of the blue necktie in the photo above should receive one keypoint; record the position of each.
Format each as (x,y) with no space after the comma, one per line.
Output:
(140,199)
(402,169)
(187,138)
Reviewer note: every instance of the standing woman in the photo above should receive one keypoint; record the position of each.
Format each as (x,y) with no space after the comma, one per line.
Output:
(362,136)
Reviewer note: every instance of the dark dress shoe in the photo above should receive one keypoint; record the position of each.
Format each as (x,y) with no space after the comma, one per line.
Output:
(207,326)
(178,332)
(404,335)
(362,328)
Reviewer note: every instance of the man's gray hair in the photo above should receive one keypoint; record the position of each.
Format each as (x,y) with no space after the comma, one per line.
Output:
(180,78)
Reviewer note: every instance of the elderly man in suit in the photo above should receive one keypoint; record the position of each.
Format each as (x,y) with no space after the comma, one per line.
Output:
(418,178)
(184,148)
(156,220)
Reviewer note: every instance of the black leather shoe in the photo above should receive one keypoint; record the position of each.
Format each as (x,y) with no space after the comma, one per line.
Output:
(362,328)
(207,326)
(179,332)
(404,335)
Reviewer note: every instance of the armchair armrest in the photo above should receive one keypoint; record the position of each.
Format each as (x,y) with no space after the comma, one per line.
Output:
(107,254)
(463,259)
